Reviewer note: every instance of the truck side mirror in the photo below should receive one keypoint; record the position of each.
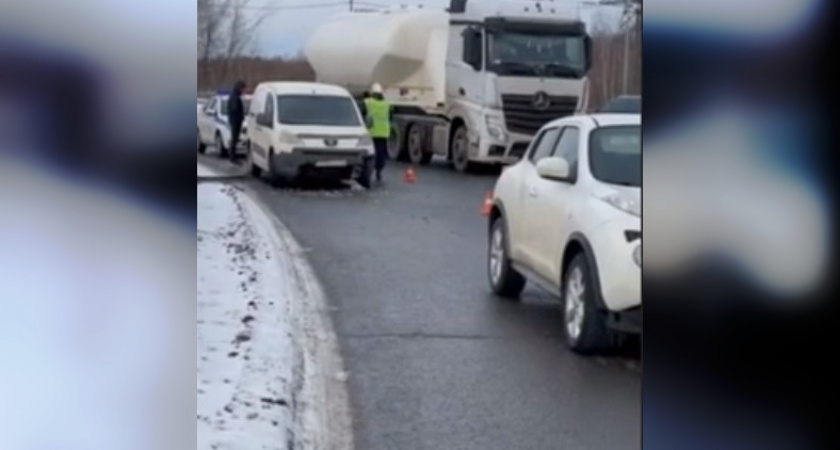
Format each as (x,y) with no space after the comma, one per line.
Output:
(473,48)
(587,51)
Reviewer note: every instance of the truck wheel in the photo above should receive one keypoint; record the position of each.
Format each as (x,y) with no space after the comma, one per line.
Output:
(220,145)
(584,326)
(201,146)
(396,147)
(417,145)
(460,151)
(504,280)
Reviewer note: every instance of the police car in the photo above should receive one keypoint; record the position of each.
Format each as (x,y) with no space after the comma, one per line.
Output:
(213,127)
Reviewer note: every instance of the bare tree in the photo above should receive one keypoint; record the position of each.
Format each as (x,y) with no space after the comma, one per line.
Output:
(229,29)
(211,18)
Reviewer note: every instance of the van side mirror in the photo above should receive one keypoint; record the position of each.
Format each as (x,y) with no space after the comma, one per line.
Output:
(473,48)
(554,168)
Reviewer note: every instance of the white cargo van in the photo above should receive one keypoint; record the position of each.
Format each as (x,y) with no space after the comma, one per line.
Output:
(308,130)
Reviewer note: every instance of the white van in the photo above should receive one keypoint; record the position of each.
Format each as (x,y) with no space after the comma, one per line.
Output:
(308,129)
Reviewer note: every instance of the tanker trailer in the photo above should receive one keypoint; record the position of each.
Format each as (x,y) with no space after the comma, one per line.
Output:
(471,84)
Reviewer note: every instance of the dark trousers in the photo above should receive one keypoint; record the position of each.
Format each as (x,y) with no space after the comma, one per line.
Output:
(381,147)
(235,131)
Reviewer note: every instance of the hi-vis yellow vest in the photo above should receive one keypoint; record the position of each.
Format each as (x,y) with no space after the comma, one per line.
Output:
(379,112)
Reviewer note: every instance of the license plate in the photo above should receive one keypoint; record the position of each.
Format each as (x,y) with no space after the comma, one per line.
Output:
(335,163)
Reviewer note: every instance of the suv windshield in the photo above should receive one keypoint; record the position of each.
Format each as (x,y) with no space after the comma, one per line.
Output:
(326,110)
(615,154)
(517,53)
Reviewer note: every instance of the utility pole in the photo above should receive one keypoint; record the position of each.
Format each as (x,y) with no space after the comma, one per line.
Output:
(351,5)
(626,64)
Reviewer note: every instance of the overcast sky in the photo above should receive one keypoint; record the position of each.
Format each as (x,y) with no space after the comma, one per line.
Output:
(286,30)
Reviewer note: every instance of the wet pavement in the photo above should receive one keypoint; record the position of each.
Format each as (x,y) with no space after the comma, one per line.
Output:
(434,360)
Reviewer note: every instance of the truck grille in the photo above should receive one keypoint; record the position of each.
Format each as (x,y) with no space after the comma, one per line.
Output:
(521,116)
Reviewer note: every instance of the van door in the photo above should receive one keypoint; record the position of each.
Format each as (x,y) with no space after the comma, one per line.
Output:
(260,120)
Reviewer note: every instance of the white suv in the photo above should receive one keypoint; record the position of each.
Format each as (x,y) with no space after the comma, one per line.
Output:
(567,217)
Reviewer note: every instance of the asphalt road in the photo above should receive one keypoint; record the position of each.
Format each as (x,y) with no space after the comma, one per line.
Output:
(436,362)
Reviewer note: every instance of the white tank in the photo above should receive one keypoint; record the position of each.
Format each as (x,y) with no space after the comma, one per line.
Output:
(403,50)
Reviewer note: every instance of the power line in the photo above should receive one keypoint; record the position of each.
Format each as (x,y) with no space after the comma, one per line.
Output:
(304,6)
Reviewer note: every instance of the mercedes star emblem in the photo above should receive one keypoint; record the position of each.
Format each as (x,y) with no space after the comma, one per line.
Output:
(541,101)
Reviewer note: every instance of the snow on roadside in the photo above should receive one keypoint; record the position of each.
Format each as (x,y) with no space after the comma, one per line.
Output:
(206,172)
(245,347)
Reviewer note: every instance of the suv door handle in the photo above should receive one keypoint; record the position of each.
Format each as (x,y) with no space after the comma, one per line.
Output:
(532,191)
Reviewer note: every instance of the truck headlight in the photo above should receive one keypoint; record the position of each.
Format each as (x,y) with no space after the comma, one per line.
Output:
(637,255)
(495,128)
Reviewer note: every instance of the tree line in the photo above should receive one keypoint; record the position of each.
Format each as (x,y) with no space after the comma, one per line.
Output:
(227,40)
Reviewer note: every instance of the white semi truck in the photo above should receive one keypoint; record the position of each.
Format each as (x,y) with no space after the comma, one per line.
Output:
(472,83)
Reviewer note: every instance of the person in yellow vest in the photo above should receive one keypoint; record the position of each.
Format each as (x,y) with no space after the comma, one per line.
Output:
(378,115)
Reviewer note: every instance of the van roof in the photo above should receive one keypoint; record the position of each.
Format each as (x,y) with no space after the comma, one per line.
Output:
(306,88)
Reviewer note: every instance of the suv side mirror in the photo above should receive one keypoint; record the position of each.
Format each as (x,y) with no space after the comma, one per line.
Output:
(473,48)
(554,168)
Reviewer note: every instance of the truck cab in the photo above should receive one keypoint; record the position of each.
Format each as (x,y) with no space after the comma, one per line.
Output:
(512,66)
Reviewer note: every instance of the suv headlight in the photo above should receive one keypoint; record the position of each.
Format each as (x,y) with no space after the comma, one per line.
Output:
(495,128)
(628,205)
(290,138)
(637,255)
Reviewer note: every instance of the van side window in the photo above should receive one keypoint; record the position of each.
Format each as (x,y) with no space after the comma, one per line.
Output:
(269,109)
(266,116)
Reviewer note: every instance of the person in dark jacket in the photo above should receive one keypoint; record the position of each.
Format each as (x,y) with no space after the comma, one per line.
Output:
(236,114)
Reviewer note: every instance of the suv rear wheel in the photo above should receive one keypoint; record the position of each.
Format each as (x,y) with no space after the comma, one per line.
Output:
(505,281)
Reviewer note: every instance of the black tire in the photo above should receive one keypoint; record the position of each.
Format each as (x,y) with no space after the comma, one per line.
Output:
(396,146)
(220,145)
(275,179)
(504,280)
(365,175)
(417,144)
(586,334)
(201,147)
(460,150)
(254,169)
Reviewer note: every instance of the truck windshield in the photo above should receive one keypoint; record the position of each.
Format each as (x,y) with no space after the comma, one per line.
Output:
(615,154)
(325,110)
(518,53)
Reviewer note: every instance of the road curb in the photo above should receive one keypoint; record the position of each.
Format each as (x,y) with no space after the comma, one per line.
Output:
(321,410)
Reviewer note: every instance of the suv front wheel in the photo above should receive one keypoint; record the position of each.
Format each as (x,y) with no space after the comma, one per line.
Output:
(583,324)
(504,280)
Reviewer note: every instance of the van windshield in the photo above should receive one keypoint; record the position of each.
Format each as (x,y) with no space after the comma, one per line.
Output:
(324,110)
